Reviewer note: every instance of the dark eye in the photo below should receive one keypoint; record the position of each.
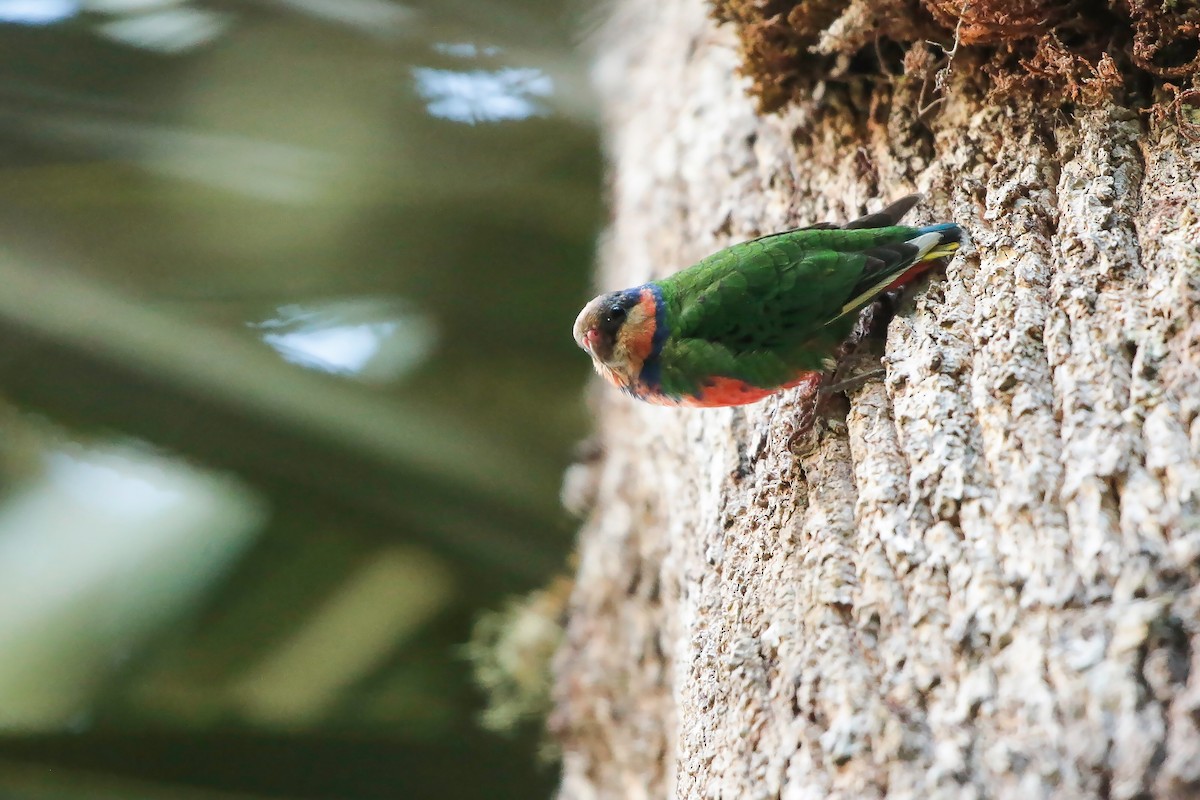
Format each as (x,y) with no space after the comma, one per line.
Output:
(614,318)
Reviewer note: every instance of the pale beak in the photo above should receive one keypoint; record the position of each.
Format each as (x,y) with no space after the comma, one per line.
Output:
(589,340)
(584,337)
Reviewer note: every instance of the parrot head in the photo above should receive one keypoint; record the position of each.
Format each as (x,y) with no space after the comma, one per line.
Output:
(617,330)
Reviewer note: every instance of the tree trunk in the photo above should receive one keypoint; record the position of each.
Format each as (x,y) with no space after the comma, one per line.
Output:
(981,580)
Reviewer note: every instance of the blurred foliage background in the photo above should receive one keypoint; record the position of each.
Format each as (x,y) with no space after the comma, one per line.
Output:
(286,386)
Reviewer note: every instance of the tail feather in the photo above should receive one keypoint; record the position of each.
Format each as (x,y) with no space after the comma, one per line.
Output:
(887,217)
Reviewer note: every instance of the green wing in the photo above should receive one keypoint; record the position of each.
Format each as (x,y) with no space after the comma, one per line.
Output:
(762,310)
(781,289)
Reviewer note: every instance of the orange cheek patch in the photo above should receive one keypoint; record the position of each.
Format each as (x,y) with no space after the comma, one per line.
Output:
(638,338)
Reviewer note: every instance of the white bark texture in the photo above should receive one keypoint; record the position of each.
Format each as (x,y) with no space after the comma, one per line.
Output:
(982,581)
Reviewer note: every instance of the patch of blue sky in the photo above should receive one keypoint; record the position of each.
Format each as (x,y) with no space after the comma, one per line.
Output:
(476,96)
(37,12)
(367,338)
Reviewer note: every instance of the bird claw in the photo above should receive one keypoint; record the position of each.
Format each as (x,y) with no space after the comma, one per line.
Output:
(820,403)
(803,439)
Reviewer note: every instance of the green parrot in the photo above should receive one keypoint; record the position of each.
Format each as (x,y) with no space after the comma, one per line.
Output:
(758,317)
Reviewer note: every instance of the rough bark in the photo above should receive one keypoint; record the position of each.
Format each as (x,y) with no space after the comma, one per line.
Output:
(982,580)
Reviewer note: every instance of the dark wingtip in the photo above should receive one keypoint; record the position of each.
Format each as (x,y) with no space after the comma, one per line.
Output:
(889,216)
(896,211)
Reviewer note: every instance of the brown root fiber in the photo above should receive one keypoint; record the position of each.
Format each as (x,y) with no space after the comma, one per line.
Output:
(1166,36)
(1063,51)
(980,23)
(1054,71)
(776,36)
